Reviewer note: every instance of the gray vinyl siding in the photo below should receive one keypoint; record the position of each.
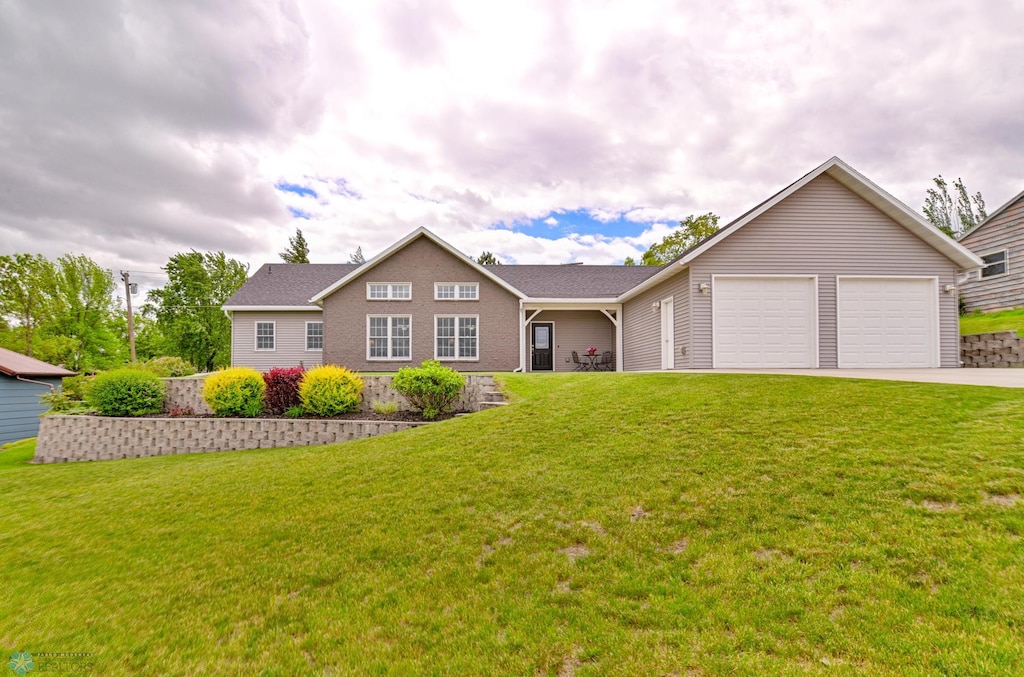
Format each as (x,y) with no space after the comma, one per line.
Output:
(20,407)
(289,340)
(576,330)
(1006,231)
(641,328)
(825,230)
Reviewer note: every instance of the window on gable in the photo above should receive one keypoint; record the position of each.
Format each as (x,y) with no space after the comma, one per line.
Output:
(264,336)
(455,337)
(314,336)
(389,291)
(995,264)
(389,337)
(463,291)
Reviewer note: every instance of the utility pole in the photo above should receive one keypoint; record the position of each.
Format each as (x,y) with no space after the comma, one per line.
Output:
(131,322)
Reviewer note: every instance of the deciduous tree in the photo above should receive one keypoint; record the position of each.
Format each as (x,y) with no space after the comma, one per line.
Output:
(691,230)
(298,250)
(953,217)
(488,259)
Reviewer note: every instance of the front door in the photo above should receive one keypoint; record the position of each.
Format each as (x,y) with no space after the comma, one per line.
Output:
(541,349)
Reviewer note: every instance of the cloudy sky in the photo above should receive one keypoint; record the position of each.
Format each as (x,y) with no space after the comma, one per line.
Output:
(544,132)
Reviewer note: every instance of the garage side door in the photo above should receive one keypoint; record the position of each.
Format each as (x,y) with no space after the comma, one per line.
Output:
(887,322)
(765,322)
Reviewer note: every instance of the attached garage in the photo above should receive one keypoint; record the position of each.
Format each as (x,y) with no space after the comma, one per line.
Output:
(765,322)
(887,322)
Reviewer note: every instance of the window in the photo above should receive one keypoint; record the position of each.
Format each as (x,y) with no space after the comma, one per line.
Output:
(389,337)
(455,337)
(463,291)
(264,336)
(995,264)
(314,336)
(389,291)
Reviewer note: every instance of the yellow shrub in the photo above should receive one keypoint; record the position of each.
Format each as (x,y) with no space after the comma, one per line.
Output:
(328,390)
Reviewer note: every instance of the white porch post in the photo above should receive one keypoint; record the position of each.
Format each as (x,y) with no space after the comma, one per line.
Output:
(617,321)
(522,336)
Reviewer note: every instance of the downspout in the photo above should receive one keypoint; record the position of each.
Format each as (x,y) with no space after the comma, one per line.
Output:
(38,383)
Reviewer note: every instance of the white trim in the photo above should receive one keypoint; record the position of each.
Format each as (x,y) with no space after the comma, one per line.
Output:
(390,338)
(256,336)
(306,337)
(815,309)
(391,291)
(456,316)
(401,244)
(668,323)
(458,290)
(265,309)
(561,303)
(935,309)
(1006,264)
(529,333)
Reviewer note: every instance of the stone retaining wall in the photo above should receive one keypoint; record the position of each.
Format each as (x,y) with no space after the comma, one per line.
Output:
(98,438)
(994,349)
(187,393)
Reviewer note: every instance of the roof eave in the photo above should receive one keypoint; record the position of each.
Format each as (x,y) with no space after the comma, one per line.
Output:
(266,308)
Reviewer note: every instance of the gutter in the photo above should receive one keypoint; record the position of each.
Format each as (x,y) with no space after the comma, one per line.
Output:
(19,377)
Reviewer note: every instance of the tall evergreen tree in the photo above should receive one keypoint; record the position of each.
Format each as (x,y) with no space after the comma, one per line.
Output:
(298,250)
(357,256)
(488,259)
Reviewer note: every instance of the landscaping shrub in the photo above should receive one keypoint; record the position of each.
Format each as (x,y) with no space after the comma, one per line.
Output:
(74,387)
(237,391)
(126,392)
(169,367)
(329,390)
(384,407)
(282,388)
(431,388)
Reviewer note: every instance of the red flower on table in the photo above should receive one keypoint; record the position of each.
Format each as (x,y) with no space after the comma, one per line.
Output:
(591,351)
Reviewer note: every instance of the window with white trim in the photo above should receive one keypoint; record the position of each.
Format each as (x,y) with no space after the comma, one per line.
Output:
(456,337)
(264,336)
(995,264)
(461,291)
(388,291)
(314,336)
(388,337)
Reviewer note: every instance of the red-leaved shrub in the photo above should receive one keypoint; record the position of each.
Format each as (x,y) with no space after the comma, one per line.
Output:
(283,388)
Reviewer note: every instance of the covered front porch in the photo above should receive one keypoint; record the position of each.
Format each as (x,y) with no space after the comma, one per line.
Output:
(549,332)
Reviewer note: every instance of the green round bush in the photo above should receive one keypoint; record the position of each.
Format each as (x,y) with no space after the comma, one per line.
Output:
(431,387)
(169,367)
(329,390)
(126,392)
(237,391)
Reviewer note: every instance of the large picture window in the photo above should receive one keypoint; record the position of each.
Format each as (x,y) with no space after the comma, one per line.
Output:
(456,337)
(995,264)
(389,337)
(314,336)
(389,291)
(456,291)
(264,336)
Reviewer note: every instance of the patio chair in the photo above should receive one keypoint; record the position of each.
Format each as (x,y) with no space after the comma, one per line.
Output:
(577,365)
(607,361)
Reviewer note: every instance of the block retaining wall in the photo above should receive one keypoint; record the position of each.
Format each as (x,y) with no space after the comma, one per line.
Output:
(187,393)
(100,438)
(994,349)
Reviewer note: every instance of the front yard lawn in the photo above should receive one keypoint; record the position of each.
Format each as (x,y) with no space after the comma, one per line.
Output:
(645,524)
(1002,320)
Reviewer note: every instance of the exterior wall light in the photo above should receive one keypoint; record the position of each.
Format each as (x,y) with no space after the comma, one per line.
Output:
(656,306)
(704,288)
(950,288)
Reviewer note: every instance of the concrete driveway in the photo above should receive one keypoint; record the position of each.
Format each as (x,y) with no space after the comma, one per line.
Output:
(1002,378)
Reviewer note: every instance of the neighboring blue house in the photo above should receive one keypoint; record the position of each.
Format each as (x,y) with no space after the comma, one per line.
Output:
(22,380)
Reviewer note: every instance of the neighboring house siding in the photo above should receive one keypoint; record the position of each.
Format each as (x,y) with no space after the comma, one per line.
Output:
(641,329)
(576,330)
(1006,231)
(422,263)
(289,340)
(20,407)
(825,230)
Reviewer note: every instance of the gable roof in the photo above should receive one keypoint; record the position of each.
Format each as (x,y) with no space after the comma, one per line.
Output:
(402,244)
(16,364)
(287,286)
(573,281)
(993,216)
(856,183)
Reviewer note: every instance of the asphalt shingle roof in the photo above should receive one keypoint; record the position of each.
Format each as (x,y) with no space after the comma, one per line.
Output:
(288,284)
(16,364)
(573,282)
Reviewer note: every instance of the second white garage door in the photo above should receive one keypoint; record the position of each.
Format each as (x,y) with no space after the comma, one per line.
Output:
(887,322)
(765,322)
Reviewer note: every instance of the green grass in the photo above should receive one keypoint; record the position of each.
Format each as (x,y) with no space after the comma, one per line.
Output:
(17,454)
(1002,320)
(729,524)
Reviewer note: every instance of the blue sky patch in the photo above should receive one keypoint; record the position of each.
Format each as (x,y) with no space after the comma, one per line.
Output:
(580,221)
(298,213)
(296,189)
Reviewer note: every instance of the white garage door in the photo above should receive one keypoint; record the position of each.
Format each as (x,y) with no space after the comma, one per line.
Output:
(887,322)
(765,322)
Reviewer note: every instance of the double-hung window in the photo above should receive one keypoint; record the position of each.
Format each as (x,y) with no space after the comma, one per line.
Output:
(388,337)
(456,337)
(389,291)
(995,264)
(264,336)
(456,291)
(314,336)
